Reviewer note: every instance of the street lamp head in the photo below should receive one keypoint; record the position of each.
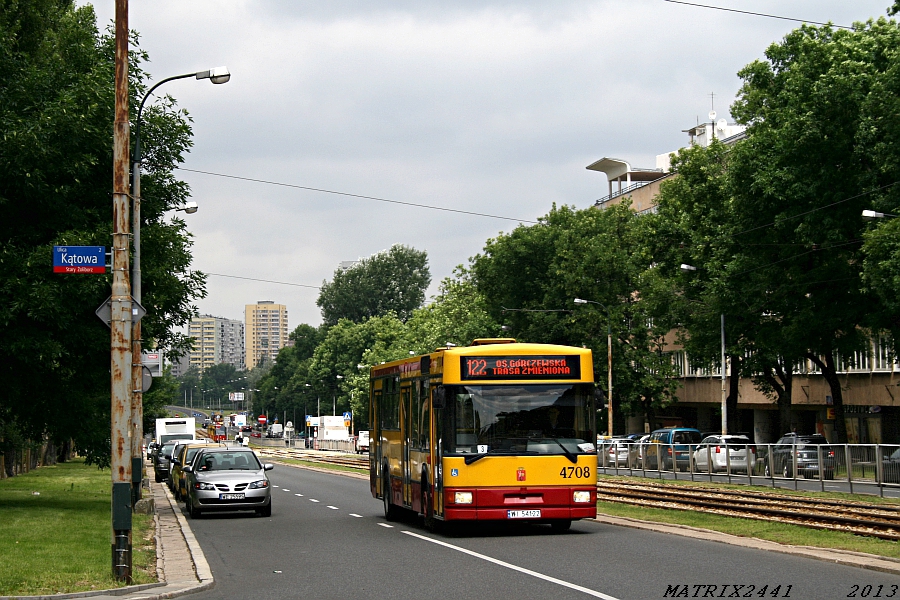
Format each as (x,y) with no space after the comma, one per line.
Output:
(217,75)
(189,208)
(685,267)
(580,301)
(871,215)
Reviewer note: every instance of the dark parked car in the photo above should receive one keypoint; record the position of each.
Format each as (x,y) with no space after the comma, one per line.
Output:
(803,451)
(163,461)
(663,443)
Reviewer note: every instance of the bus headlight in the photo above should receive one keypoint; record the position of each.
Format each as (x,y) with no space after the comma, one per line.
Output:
(462,497)
(581,496)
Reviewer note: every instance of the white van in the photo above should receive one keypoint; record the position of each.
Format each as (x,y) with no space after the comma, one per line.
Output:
(362,442)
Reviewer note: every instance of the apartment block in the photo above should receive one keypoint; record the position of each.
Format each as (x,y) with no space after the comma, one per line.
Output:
(266,330)
(216,340)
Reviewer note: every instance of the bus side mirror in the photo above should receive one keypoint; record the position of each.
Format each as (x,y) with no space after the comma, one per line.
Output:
(439,397)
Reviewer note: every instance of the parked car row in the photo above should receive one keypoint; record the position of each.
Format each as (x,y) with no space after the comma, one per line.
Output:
(209,476)
(685,448)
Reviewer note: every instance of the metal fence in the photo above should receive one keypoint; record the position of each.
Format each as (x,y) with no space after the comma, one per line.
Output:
(855,464)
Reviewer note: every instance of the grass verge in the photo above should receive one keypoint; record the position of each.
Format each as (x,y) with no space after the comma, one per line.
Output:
(765,530)
(55,532)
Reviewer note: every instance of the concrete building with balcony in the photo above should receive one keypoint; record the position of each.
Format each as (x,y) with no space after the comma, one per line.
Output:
(216,340)
(266,330)
(869,379)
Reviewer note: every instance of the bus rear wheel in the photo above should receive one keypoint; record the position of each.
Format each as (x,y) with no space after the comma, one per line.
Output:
(390,511)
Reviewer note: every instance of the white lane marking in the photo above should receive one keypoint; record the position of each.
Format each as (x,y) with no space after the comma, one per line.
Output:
(332,507)
(285,490)
(273,485)
(313,500)
(356,515)
(301,495)
(572,586)
(386,525)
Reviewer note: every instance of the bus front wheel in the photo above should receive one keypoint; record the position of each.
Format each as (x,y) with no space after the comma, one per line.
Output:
(561,525)
(390,511)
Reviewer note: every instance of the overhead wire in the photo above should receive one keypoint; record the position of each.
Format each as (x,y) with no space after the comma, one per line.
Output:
(756,14)
(315,287)
(360,196)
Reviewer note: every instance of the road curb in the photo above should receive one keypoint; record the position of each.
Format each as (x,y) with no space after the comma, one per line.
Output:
(849,558)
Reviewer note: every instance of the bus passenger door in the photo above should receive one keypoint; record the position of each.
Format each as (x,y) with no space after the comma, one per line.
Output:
(406,418)
(437,448)
(375,442)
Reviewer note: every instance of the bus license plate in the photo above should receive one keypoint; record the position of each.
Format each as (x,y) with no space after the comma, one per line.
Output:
(523,514)
(231,496)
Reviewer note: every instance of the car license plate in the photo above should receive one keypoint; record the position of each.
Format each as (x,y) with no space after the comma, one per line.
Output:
(523,514)
(231,496)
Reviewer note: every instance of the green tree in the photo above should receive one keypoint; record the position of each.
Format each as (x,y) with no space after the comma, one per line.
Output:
(56,110)
(800,180)
(391,281)
(458,314)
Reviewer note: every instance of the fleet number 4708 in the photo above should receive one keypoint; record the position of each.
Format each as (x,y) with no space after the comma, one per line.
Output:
(577,472)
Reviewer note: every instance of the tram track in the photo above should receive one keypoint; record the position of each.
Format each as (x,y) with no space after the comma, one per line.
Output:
(359,462)
(859,518)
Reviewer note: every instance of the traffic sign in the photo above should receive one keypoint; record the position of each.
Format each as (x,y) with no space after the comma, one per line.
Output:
(262,419)
(347,419)
(79,259)
(104,311)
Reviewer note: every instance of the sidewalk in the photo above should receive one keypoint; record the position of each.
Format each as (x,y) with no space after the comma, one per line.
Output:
(179,559)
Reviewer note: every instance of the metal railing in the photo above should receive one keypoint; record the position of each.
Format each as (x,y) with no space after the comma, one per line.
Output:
(861,465)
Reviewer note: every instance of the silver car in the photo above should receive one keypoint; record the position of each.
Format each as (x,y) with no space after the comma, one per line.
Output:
(723,452)
(227,479)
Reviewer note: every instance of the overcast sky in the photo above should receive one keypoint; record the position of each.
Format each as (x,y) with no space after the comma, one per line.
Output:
(488,107)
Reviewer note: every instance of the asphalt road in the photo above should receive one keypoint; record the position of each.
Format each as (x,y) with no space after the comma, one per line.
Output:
(327,538)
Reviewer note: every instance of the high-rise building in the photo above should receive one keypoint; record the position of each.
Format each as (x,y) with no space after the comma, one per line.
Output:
(216,340)
(266,330)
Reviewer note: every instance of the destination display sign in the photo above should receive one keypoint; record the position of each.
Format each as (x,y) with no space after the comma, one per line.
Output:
(473,368)
(79,259)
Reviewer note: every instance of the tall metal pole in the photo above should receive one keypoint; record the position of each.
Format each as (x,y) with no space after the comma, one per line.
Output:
(724,390)
(120,315)
(609,365)
(137,370)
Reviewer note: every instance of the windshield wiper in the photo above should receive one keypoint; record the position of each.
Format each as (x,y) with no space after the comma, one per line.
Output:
(470,458)
(569,454)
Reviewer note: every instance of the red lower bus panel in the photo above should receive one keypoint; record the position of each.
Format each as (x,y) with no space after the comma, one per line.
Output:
(492,504)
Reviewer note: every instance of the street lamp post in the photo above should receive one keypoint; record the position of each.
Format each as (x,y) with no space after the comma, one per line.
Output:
(217,75)
(690,268)
(334,397)
(609,428)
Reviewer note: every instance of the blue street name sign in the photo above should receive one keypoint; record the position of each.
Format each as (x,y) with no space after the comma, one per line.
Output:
(79,259)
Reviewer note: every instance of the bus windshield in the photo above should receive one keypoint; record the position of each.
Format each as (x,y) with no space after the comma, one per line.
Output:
(520,419)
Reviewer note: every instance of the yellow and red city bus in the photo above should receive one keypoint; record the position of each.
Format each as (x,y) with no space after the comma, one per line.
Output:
(495,431)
